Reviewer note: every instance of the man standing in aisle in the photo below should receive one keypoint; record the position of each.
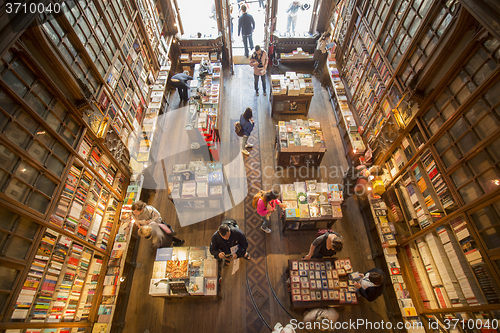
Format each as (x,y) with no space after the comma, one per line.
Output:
(179,81)
(246,25)
(259,63)
(229,242)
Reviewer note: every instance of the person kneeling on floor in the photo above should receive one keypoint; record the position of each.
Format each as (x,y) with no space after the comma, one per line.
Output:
(229,242)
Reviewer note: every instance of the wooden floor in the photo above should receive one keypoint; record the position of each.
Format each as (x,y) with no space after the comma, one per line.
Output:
(230,312)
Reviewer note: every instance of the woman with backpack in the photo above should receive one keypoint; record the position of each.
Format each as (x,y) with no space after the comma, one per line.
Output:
(247,125)
(266,203)
(326,244)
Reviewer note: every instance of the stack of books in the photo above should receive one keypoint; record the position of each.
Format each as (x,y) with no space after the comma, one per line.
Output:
(311,199)
(301,135)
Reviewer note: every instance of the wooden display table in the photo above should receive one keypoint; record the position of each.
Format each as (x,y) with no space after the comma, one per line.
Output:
(296,151)
(198,187)
(185,272)
(311,223)
(284,104)
(320,283)
(310,205)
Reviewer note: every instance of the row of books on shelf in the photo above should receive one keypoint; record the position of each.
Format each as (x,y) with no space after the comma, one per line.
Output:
(473,256)
(387,231)
(211,87)
(382,68)
(322,281)
(437,181)
(54,287)
(311,199)
(297,54)
(83,205)
(301,134)
(292,84)
(340,96)
(366,37)
(449,270)
(148,130)
(198,56)
(184,270)
(196,180)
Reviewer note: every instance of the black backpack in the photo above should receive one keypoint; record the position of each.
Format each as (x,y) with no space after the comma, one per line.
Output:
(230,223)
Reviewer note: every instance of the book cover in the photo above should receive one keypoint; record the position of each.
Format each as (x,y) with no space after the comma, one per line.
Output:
(164,254)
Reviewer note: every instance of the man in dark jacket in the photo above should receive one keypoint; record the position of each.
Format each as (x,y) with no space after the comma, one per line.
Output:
(247,124)
(371,285)
(246,25)
(229,243)
(179,81)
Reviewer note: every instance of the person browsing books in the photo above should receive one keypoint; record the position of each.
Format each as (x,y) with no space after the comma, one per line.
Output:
(325,245)
(259,62)
(247,125)
(266,204)
(371,284)
(146,214)
(229,242)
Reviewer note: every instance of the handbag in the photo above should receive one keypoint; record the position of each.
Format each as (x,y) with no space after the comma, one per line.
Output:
(167,229)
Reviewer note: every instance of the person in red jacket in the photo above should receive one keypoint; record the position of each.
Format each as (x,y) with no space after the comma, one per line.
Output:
(265,206)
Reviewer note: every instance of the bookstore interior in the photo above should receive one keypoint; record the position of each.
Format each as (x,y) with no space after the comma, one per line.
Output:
(407,91)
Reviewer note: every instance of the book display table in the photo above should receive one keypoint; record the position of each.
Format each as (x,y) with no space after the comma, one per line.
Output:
(319,283)
(197,186)
(184,271)
(299,142)
(291,93)
(310,205)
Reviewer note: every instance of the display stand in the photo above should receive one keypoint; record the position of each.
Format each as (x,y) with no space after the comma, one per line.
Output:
(198,187)
(321,283)
(310,205)
(291,93)
(204,111)
(299,143)
(284,104)
(185,272)
(354,146)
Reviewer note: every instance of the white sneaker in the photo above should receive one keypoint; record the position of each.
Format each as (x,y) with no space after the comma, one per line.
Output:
(246,152)
(266,230)
(249,145)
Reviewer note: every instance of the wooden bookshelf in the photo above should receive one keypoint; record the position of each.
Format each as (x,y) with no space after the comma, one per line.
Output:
(420,129)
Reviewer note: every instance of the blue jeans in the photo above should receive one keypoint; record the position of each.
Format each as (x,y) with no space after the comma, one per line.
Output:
(290,23)
(246,40)
(266,222)
(256,82)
